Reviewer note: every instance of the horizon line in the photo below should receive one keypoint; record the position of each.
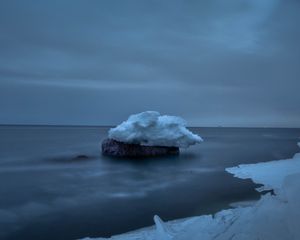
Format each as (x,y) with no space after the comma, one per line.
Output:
(82,125)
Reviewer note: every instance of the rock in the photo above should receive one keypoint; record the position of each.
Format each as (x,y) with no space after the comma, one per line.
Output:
(79,157)
(111,147)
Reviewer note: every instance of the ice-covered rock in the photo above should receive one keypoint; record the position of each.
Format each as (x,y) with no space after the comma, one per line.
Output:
(152,129)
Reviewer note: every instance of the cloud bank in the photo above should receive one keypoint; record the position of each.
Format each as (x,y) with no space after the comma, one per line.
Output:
(233,63)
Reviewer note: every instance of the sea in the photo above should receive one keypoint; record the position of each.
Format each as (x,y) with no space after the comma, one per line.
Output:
(55,183)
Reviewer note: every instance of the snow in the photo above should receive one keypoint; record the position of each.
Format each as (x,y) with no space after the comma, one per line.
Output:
(271,175)
(273,217)
(152,129)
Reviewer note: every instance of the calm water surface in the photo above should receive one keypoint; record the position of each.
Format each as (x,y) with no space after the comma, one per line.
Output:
(46,192)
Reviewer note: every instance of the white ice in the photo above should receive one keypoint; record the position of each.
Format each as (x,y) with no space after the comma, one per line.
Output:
(152,129)
(273,217)
(271,175)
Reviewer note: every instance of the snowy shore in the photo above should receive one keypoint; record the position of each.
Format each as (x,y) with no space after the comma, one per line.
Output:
(273,217)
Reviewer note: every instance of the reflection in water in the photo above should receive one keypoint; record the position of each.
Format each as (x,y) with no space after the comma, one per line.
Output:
(48,193)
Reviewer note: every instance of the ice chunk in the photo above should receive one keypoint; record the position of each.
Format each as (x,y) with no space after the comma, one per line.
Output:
(162,230)
(271,174)
(152,129)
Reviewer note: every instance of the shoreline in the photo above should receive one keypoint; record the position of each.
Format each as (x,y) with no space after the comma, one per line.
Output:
(240,222)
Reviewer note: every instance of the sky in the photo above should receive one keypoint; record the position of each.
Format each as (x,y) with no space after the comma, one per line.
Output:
(212,62)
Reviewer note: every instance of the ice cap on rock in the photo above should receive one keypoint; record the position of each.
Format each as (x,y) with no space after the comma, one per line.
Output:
(152,129)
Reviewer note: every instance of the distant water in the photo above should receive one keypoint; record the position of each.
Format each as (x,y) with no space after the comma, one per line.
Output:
(48,193)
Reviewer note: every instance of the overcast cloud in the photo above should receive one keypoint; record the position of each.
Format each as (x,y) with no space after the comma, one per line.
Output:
(214,62)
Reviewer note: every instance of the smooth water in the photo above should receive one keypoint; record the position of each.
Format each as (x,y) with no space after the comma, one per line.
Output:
(46,192)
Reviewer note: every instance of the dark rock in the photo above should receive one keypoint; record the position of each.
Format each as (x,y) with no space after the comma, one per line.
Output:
(79,157)
(111,147)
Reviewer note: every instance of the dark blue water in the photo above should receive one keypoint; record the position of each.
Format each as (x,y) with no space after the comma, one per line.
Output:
(47,192)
